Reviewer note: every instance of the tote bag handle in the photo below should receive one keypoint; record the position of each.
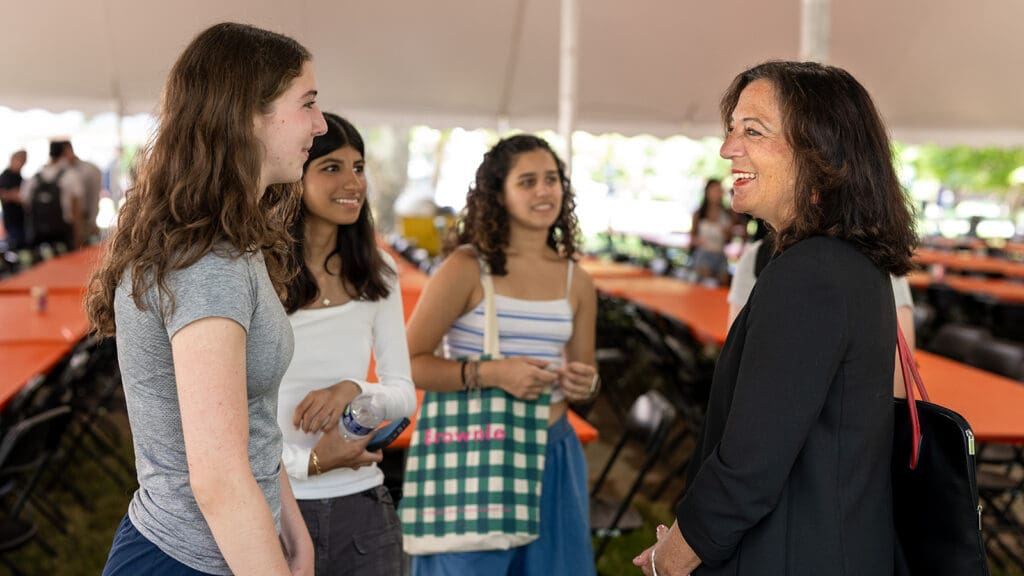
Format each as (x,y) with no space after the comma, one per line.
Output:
(911,378)
(492,350)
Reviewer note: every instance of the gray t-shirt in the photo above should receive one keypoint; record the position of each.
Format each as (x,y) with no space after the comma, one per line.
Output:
(164,509)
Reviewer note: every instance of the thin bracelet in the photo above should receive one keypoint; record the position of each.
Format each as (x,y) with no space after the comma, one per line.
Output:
(316,462)
(474,376)
(462,373)
(654,568)
(595,386)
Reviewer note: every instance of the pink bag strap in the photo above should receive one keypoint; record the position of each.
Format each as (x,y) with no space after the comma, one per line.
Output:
(911,378)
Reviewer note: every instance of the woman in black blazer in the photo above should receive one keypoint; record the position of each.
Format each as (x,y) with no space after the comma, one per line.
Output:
(791,475)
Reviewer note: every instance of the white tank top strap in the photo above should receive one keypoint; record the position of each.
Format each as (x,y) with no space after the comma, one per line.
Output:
(568,280)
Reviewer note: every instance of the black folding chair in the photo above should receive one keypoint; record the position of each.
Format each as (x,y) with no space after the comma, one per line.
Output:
(26,453)
(1000,357)
(648,423)
(957,341)
(1008,321)
(15,534)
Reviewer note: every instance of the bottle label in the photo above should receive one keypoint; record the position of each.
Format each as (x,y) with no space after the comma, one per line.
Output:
(348,420)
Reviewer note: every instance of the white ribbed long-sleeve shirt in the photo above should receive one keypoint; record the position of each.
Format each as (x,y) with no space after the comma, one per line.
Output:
(334,344)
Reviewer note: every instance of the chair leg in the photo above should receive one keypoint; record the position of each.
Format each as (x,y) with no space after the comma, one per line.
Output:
(10,566)
(648,464)
(111,450)
(80,498)
(46,546)
(98,459)
(680,468)
(608,466)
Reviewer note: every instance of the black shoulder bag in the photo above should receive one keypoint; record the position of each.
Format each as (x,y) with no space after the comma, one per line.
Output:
(935,495)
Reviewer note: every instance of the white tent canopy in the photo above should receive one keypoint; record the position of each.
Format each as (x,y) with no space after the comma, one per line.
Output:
(944,71)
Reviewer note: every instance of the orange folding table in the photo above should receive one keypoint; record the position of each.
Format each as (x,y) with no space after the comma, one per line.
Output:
(1003,290)
(992,405)
(24,361)
(705,310)
(67,273)
(604,269)
(969,262)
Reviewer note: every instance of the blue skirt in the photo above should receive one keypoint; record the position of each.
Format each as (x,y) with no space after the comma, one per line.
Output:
(564,545)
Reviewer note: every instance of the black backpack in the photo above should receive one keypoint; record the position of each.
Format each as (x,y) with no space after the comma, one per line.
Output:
(47,216)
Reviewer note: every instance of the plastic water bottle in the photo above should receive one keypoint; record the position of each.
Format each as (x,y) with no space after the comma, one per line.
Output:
(362,416)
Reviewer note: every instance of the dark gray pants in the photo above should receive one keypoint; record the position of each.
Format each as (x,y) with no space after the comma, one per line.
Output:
(357,535)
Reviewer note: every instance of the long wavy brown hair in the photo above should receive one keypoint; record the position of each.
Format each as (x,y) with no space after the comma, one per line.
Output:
(484,222)
(846,184)
(197,184)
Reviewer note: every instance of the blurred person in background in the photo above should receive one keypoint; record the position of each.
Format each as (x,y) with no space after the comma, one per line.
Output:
(54,197)
(92,185)
(709,235)
(11,201)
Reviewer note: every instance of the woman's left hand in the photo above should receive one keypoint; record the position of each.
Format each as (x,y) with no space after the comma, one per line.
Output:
(578,381)
(673,555)
(300,559)
(321,409)
(295,541)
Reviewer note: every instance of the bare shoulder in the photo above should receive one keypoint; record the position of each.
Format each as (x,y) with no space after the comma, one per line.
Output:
(460,265)
(582,281)
(458,277)
(583,291)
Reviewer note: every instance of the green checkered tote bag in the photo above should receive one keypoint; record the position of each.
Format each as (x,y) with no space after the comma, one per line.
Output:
(475,465)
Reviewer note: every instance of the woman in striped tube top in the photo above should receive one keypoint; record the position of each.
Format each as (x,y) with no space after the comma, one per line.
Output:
(519,223)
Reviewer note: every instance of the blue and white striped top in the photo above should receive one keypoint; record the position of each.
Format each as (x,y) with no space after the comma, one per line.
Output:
(536,328)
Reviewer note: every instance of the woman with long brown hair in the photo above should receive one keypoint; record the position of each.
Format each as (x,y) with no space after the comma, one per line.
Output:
(519,230)
(190,288)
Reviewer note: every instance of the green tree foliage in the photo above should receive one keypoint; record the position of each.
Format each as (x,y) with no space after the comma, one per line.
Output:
(969,169)
(711,164)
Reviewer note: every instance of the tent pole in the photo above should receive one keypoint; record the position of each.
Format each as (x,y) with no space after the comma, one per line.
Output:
(504,124)
(567,69)
(815,30)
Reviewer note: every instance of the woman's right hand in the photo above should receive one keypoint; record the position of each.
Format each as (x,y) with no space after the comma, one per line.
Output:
(321,409)
(523,377)
(334,451)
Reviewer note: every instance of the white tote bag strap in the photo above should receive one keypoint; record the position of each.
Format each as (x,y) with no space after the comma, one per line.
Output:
(492,350)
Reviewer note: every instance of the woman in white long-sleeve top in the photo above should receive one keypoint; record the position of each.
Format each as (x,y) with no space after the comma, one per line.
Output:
(343,305)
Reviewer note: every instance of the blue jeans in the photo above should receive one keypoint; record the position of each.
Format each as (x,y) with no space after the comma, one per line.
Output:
(564,545)
(132,554)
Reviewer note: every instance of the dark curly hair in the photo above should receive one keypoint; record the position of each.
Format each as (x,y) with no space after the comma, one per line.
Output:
(361,262)
(484,222)
(846,185)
